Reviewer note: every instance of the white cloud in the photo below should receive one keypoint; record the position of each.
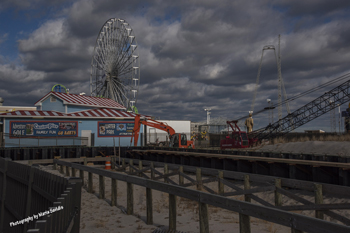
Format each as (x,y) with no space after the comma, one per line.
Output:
(212,71)
(10,73)
(50,34)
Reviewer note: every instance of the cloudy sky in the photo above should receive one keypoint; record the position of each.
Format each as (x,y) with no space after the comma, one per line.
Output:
(193,54)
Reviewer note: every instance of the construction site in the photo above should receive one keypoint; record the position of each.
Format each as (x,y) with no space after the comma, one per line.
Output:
(172,175)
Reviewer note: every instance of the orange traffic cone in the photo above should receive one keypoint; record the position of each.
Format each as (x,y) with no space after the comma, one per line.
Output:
(108,165)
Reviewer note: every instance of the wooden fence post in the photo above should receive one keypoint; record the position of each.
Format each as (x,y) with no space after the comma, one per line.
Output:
(73,172)
(62,169)
(54,165)
(76,185)
(81,175)
(29,195)
(101,181)
(149,206)
(114,192)
(3,197)
(90,183)
(61,219)
(278,196)
(166,171)
(130,198)
(140,168)
(172,212)
(152,172)
(203,217)
(220,183)
(199,178)
(113,161)
(181,178)
(67,171)
(244,220)
(318,200)
(85,161)
(123,164)
(131,163)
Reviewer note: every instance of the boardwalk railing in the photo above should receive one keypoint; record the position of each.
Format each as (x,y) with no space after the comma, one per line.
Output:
(296,222)
(33,200)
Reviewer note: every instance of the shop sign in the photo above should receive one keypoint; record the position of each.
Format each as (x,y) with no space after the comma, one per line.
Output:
(44,128)
(115,129)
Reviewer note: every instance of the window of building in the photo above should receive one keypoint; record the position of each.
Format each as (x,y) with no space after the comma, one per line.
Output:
(53,99)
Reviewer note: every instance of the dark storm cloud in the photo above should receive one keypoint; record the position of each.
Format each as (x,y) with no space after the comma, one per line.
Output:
(52,49)
(195,54)
(25,4)
(312,7)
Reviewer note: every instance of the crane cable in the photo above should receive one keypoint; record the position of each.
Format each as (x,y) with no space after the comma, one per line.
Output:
(345,76)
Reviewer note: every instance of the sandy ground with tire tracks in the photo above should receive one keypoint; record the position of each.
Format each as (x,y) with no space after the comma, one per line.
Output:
(97,216)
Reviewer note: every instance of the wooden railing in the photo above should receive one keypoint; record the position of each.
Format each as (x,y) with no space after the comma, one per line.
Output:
(33,200)
(266,211)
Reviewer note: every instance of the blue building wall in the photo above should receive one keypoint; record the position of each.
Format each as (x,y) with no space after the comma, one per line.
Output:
(53,106)
(82,125)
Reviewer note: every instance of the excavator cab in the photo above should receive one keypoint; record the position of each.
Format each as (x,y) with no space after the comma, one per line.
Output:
(180,141)
(174,141)
(183,140)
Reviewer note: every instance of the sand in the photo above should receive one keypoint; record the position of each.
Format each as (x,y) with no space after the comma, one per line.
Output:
(311,147)
(97,216)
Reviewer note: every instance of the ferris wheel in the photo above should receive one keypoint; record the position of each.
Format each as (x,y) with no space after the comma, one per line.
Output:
(115,65)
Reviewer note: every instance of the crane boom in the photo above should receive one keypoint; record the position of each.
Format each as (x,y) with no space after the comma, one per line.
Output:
(319,106)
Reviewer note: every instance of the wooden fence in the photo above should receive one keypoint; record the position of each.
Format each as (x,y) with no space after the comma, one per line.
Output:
(33,200)
(271,213)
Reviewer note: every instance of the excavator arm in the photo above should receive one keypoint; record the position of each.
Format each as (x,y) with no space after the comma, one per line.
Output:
(152,123)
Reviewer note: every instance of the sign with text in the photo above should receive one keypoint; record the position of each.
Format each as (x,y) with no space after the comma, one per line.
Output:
(115,128)
(44,128)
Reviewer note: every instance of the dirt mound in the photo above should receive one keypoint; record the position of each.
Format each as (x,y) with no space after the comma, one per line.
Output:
(311,147)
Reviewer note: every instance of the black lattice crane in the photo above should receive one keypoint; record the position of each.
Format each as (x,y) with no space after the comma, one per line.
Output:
(307,113)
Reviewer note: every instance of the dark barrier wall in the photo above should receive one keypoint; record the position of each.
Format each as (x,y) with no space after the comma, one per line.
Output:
(27,153)
(28,194)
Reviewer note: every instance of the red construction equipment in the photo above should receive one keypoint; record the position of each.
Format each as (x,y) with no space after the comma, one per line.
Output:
(176,139)
(238,138)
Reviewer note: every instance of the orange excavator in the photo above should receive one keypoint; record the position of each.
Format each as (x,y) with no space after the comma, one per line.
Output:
(176,139)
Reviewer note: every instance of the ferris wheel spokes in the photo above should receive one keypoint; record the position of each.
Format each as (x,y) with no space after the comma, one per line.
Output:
(115,63)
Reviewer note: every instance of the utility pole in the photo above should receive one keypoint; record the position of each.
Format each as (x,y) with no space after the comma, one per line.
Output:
(339,116)
(279,81)
(208,115)
(332,117)
(270,109)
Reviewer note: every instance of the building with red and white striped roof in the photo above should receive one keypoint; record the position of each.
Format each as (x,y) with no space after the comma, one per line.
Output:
(99,113)
(22,113)
(65,119)
(67,103)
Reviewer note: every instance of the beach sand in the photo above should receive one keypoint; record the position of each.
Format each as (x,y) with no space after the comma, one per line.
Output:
(98,216)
